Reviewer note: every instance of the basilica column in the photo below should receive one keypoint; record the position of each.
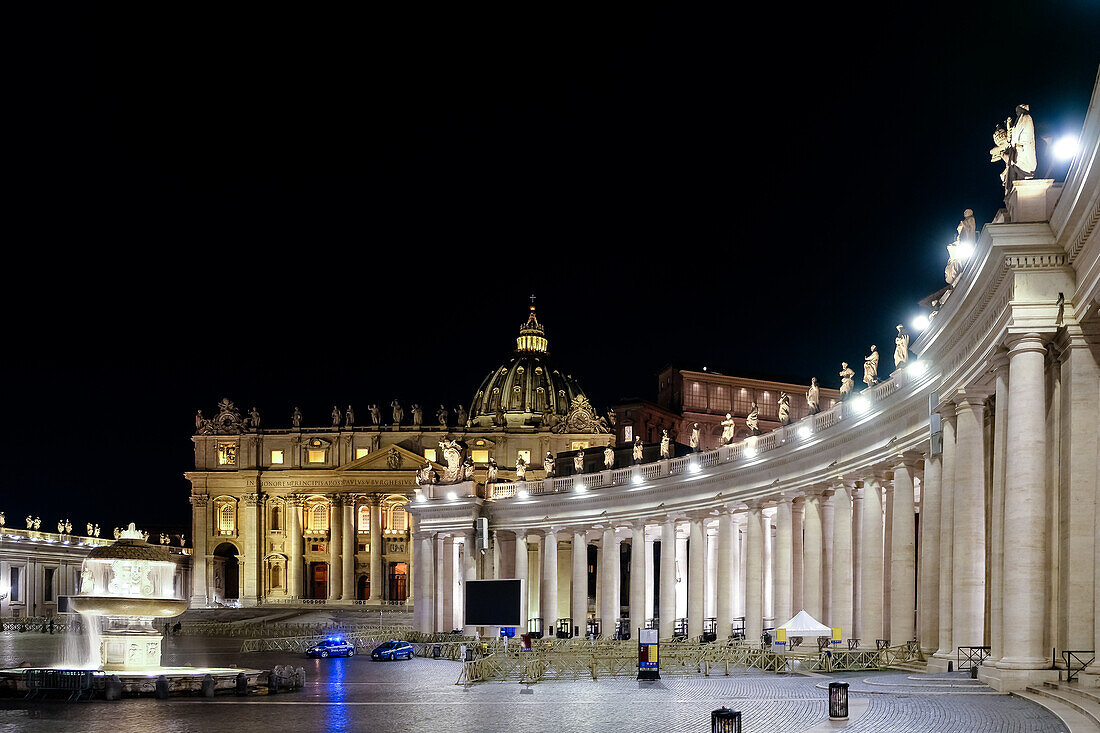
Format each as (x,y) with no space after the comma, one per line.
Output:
(469,572)
(1025,510)
(376,580)
(638,570)
(697,568)
(947,531)
(250,539)
(424,559)
(350,546)
(521,573)
(903,556)
(783,529)
(200,530)
(871,563)
(968,553)
(440,559)
(726,538)
(295,573)
(798,513)
(754,574)
(548,585)
(811,578)
(930,555)
(841,589)
(580,580)
(668,578)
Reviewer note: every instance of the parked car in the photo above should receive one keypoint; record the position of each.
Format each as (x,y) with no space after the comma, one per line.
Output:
(392,650)
(334,646)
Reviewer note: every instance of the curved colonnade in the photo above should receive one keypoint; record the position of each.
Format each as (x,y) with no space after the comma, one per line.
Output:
(952,503)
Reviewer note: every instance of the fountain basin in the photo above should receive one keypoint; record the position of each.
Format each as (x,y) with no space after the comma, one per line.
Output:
(127,606)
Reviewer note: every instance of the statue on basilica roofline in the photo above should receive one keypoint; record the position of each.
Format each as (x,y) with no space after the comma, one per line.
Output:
(30,522)
(870,367)
(521,469)
(453,454)
(608,458)
(335,416)
(296,418)
(183,539)
(375,415)
(417,415)
(68,527)
(846,380)
(460,416)
(666,444)
(784,408)
(254,418)
(901,351)
(398,413)
(578,462)
(37,522)
(752,422)
(638,450)
(813,397)
(727,429)
(1014,145)
(611,417)
(549,464)
(498,418)
(95,531)
(442,415)
(695,438)
(349,417)
(60,527)
(88,530)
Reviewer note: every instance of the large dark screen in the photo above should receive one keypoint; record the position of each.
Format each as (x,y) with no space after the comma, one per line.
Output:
(493,602)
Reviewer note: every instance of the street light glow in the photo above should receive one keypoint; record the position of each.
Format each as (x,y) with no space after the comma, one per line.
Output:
(919,323)
(860,405)
(522,494)
(1065,148)
(805,432)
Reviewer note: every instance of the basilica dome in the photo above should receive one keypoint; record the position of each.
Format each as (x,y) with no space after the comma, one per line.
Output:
(526,390)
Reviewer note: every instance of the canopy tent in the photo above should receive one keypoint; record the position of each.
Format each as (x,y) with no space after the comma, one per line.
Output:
(803,624)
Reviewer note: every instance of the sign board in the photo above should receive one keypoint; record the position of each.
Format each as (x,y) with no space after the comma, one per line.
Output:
(780,636)
(493,602)
(649,667)
(836,634)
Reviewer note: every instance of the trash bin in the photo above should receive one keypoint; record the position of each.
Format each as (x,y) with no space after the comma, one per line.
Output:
(724,720)
(437,649)
(838,701)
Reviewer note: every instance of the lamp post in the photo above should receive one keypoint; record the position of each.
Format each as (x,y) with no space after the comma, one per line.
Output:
(725,720)
(838,701)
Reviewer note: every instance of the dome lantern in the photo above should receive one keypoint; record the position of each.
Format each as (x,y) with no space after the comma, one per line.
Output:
(532,336)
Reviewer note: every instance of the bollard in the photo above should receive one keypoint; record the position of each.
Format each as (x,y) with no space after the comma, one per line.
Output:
(112,688)
(242,684)
(160,688)
(207,686)
(974,672)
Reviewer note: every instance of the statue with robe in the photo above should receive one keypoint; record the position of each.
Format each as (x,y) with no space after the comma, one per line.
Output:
(901,351)
(813,397)
(549,464)
(694,441)
(870,367)
(349,417)
(254,418)
(398,413)
(608,458)
(335,416)
(417,415)
(727,429)
(752,422)
(460,416)
(493,470)
(637,450)
(88,530)
(375,415)
(521,469)
(666,445)
(296,418)
(784,408)
(442,415)
(578,462)
(846,380)
(1023,145)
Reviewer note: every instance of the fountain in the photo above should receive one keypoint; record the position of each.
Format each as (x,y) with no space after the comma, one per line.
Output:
(124,589)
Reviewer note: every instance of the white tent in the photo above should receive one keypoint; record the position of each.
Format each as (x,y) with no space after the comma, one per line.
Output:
(803,624)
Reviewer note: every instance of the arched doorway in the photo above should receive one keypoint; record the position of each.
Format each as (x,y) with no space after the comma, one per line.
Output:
(317,576)
(398,577)
(362,588)
(226,573)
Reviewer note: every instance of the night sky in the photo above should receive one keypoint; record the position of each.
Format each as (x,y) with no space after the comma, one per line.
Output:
(308,207)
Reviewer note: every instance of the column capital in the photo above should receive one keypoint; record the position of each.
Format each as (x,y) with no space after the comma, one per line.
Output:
(972,397)
(335,499)
(909,460)
(787,497)
(1023,343)
(198,500)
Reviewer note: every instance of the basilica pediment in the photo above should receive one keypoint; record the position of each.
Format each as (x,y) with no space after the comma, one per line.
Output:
(388,458)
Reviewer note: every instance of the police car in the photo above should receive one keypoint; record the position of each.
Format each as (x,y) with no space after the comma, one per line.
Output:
(392,650)
(334,646)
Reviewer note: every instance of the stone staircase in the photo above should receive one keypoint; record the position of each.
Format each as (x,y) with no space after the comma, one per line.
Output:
(912,665)
(1078,707)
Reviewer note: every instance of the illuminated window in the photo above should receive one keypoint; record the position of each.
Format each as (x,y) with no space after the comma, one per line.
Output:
(579,445)
(319,518)
(525,455)
(480,456)
(360,452)
(429,453)
(396,518)
(276,457)
(695,396)
(316,456)
(628,433)
(227,454)
(719,398)
(364,519)
(276,518)
(227,518)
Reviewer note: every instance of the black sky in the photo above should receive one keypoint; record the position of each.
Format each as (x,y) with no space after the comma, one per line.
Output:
(313,206)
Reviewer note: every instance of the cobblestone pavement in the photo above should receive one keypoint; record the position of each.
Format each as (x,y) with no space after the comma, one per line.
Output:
(360,695)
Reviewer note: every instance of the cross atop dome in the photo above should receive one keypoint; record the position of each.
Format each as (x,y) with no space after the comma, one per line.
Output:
(532,336)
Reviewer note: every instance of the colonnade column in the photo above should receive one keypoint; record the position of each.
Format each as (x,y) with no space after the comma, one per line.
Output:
(425,606)
(947,528)
(811,577)
(638,573)
(903,556)
(667,611)
(798,513)
(349,546)
(697,568)
(521,573)
(738,565)
(580,580)
(335,547)
(605,601)
(997,510)
(200,530)
(376,581)
(930,555)
(1025,509)
(968,574)
(827,510)
(871,563)
(768,568)
(841,588)
(726,539)
(856,492)
(548,583)
(754,576)
(783,563)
